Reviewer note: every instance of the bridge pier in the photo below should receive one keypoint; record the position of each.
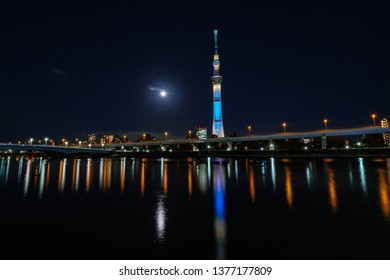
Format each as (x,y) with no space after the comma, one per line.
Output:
(323,142)
(271,145)
(194,147)
(230,146)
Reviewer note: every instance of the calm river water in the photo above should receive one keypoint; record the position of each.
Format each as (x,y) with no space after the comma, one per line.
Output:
(210,208)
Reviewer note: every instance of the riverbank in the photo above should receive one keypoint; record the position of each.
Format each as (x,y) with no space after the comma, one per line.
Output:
(260,154)
(379,152)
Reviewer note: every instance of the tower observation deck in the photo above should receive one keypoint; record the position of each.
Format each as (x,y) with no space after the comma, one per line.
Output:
(216,81)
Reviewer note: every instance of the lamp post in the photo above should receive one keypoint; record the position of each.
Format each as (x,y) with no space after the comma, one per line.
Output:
(31,140)
(166,135)
(373,116)
(326,124)
(66,143)
(284,127)
(46,140)
(189,134)
(249,130)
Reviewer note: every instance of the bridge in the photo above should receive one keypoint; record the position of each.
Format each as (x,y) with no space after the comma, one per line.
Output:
(109,148)
(55,149)
(323,134)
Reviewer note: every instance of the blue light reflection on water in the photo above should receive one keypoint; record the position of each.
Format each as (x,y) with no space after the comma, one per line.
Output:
(343,194)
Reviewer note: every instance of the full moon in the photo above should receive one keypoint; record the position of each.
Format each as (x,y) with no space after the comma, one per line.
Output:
(163,93)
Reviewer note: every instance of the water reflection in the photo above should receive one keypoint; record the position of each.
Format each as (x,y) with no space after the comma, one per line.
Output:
(362,173)
(273,174)
(350,174)
(384,194)
(388,170)
(47,180)
(7,169)
(165,179)
(76,175)
(27,178)
(252,189)
(42,176)
(219,211)
(62,175)
(236,170)
(289,190)
(20,169)
(160,219)
(107,174)
(309,174)
(332,190)
(123,173)
(189,179)
(208,170)
(2,167)
(88,176)
(202,177)
(36,173)
(143,174)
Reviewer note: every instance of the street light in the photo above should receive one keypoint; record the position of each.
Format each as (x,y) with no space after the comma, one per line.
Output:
(189,134)
(102,145)
(249,130)
(373,116)
(79,143)
(284,126)
(326,124)
(46,140)
(66,143)
(31,140)
(166,135)
(89,145)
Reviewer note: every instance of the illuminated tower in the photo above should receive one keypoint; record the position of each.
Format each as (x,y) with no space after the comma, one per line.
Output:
(216,80)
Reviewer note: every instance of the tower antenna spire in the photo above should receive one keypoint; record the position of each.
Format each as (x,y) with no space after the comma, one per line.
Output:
(215,41)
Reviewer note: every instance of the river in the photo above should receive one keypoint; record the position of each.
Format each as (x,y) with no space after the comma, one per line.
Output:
(187,208)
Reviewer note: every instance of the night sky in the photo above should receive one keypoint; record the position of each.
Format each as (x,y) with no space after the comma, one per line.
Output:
(69,69)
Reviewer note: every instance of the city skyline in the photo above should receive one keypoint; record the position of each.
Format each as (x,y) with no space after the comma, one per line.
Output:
(75,69)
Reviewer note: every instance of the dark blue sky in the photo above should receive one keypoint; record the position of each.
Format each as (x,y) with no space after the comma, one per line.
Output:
(67,69)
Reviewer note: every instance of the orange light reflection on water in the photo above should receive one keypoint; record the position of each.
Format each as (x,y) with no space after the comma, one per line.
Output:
(252,189)
(332,190)
(143,171)
(190,180)
(289,190)
(384,195)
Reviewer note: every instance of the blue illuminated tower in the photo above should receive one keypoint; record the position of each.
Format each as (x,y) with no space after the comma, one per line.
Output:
(216,80)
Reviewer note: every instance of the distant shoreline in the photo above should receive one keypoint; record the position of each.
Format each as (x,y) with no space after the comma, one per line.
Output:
(385,152)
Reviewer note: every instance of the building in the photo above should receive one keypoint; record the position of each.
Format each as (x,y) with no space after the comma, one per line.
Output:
(201,132)
(92,138)
(145,138)
(110,139)
(386,138)
(216,80)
